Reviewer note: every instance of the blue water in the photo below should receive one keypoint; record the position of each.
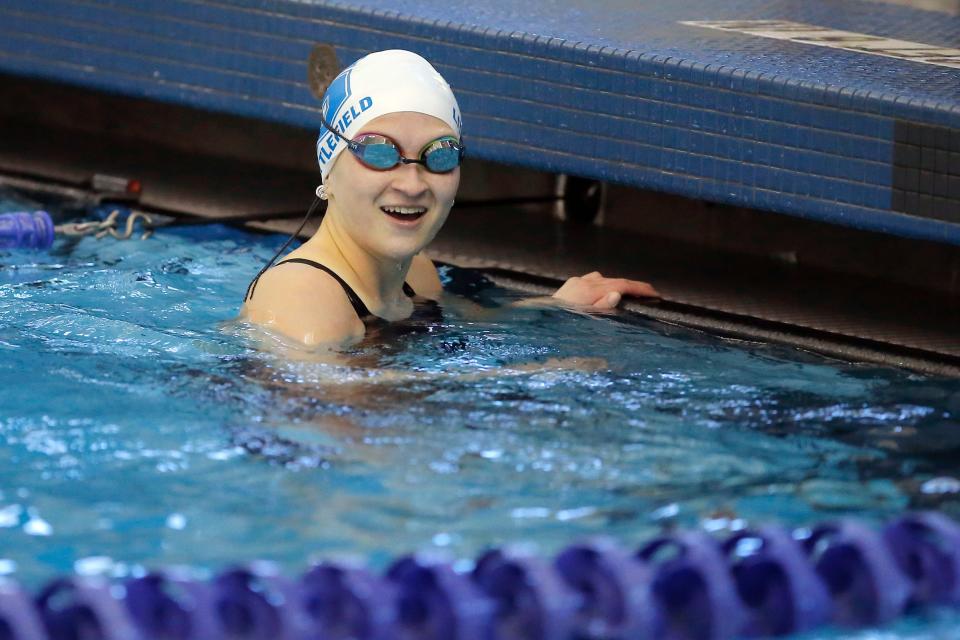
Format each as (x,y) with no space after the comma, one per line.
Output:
(141,425)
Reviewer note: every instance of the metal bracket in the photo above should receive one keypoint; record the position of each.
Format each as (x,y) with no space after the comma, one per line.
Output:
(580,200)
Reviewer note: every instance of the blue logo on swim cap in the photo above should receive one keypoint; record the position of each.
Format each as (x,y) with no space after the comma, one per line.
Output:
(456,119)
(337,93)
(333,100)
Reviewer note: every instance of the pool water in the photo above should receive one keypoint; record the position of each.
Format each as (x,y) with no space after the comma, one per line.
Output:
(141,425)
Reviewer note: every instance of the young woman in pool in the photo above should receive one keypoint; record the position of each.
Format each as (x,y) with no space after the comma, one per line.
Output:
(387,197)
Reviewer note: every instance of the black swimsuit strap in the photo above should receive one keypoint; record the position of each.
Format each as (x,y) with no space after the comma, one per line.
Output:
(355,301)
(352,296)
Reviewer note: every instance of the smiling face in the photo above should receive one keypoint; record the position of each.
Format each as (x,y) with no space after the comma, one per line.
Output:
(394,213)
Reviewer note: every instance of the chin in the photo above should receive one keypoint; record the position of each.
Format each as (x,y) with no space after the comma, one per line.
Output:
(400,250)
(400,246)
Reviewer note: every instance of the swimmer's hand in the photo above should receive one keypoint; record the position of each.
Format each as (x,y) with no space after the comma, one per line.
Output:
(597,292)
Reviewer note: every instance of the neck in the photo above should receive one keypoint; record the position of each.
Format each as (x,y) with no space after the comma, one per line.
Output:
(381,278)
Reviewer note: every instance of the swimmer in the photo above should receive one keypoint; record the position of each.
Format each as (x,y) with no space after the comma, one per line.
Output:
(387,197)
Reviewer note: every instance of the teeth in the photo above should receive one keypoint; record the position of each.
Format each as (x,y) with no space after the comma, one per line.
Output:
(407,211)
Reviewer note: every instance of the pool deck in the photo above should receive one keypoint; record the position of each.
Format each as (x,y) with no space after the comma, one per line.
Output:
(845,111)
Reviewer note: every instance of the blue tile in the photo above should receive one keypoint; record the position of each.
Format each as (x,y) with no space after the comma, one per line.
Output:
(810,108)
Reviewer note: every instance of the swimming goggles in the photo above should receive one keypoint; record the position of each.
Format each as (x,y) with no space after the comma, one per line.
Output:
(380,153)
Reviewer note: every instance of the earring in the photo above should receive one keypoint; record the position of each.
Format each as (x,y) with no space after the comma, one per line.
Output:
(322,192)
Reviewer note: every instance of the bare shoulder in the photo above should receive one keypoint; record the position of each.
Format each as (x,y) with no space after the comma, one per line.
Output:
(304,303)
(423,277)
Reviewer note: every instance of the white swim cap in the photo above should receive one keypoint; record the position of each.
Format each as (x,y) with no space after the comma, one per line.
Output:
(377,84)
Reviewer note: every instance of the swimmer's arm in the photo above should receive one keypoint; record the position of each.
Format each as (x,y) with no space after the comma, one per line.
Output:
(591,292)
(305,305)
(425,280)
(423,277)
(358,389)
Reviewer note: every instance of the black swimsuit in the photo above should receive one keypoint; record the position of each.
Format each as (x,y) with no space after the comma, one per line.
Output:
(362,311)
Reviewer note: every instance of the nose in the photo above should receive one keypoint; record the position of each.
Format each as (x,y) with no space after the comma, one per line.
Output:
(408,179)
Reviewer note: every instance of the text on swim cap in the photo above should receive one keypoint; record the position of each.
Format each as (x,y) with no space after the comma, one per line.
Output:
(352,114)
(325,149)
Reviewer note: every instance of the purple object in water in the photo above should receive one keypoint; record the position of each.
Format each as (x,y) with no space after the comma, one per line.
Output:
(694,588)
(252,602)
(926,547)
(615,589)
(867,586)
(26,230)
(437,603)
(777,583)
(685,586)
(88,609)
(19,619)
(172,607)
(344,603)
(532,601)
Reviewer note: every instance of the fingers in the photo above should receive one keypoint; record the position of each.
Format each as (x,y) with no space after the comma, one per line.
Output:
(595,290)
(639,289)
(634,288)
(622,285)
(630,287)
(608,300)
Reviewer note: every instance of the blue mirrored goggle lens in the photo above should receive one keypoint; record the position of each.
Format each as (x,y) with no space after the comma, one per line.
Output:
(442,158)
(379,155)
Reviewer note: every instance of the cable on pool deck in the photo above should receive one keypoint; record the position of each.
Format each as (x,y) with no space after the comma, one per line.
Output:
(761,582)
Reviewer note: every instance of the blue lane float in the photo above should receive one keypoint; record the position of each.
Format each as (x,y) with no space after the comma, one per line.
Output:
(766,582)
(778,584)
(36,230)
(26,230)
